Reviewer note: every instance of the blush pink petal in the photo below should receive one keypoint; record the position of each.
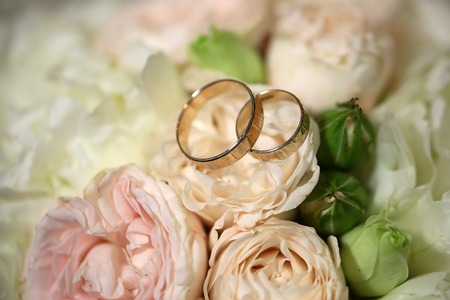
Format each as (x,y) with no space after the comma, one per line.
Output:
(132,239)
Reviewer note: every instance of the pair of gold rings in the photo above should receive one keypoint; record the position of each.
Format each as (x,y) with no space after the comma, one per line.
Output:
(249,124)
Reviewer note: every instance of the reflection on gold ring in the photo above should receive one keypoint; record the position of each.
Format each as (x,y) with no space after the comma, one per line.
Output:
(245,140)
(294,142)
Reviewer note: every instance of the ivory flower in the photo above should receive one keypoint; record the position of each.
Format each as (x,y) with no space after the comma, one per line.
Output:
(275,260)
(431,286)
(17,217)
(66,112)
(412,161)
(326,52)
(427,221)
(77,112)
(130,239)
(409,204)
(410,177)
(410,182)
(249,190)
(421,106)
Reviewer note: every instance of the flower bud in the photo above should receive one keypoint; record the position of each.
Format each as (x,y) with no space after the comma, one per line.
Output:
(225,52)
(335,205)
(347,137)
(375,257)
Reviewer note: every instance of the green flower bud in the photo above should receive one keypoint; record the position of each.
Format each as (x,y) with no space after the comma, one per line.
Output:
(374,257)
(225,52)
(347,137)
(335,205)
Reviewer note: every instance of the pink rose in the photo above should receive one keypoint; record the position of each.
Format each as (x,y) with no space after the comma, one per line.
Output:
(130,239)
(275,260)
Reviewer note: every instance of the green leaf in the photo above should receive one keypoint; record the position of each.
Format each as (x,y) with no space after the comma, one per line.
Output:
(225,52)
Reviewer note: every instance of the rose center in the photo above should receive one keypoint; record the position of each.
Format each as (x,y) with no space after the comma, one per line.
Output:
(280,269)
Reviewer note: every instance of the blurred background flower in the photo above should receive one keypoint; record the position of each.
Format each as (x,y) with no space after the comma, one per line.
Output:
(327,51)
(66,112)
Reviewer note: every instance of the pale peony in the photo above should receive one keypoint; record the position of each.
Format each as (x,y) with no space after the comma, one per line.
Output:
(249,190)
(66,112)
(275,260)
(171,25)
(69,104)
(327,52)
(17,217)
(130,239)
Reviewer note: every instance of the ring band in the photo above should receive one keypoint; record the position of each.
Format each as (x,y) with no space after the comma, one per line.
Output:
(246,139)
(294,142)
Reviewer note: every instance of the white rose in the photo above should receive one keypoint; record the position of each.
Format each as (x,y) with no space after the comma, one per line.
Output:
(327,52)
(430,286)
(249,190)
(410,178)
(394,174)
(427,221)
(275,260)
(421,105)
(410,203)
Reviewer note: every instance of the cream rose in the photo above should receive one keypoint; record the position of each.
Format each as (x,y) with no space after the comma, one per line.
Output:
(249,190)
(130,239)
(275,260)
(171,25)
(327,52)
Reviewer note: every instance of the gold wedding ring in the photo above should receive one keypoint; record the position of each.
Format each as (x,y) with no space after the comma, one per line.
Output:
(252,125)
(294,142)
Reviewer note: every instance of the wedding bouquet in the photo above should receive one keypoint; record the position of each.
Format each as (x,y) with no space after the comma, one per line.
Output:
(99,199)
